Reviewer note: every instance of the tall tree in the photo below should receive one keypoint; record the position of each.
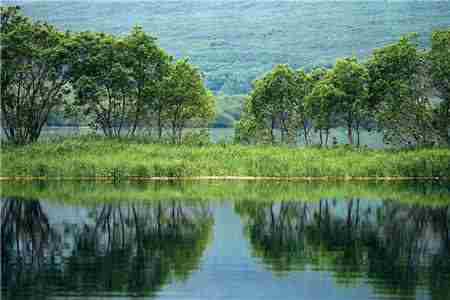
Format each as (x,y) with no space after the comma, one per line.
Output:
(273,99)
(440,73)
(35,74)
(116,78)
(350,78)
(299,118)
(148,65)
(322,104)
(104,82)
(187,99)
(399,90)
(248,130)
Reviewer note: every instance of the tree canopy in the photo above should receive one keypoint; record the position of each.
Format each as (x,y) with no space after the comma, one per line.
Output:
(392,92)
(119,84)
(35,74)
(125,85)
(440,72)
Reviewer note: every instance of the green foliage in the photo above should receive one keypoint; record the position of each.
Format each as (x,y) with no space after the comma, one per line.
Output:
(71,157)
(229,110)
(187,99)
(246,131)
(293,100)
(121,84)
(390,91)
(235,44)
(35,74)
(350,79)
(440,61)
(125,85)
(399,91)
(197,138)
(116,78)
(273,101)
(440,72)
(321,105)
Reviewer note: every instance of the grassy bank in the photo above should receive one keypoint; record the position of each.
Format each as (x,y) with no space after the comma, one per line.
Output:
(96,157)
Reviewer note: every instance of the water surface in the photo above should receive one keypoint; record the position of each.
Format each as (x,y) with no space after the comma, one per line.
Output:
(225,240)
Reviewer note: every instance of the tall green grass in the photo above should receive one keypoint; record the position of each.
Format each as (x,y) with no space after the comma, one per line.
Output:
(121,159)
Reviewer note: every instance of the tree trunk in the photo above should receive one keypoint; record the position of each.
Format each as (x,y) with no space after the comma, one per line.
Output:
(320,136)
(174,133)
(350,134)
(358,144)
(358,137)
(305,132)
(272,128)
(180,134)
(159,125)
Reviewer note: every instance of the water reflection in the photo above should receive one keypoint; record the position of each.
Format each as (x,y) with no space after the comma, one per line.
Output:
(396,248)
(110,250)
(243,240)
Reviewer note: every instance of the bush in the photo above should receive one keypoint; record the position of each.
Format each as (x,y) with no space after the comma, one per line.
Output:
(197,138)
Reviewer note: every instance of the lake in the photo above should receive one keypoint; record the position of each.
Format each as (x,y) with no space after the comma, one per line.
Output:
(225,240)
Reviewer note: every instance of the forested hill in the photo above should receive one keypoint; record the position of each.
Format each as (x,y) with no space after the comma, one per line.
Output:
(235,42)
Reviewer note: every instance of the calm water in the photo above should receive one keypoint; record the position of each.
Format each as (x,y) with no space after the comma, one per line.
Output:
(225,241)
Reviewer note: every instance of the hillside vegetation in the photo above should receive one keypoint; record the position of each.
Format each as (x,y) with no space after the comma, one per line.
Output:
(235,42)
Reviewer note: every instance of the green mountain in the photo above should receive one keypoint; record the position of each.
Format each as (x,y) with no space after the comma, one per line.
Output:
(234,42)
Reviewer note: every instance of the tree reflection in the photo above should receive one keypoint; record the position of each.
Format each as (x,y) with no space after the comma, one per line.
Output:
(396,248)
(129,249)
(28,242)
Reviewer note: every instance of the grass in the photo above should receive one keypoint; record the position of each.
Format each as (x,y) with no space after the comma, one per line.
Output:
(91,193)
(89,157)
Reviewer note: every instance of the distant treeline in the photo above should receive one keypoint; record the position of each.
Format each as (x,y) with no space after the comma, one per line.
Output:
(116,84)
(119,85)
(400,91)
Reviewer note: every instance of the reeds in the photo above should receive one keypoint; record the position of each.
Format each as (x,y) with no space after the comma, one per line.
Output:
(79,158)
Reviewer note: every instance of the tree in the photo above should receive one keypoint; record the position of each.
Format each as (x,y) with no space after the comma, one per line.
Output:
(440,74)
(116,78)
(399,91)
(272,100)
(299,117)
(148,64)
(157,104)
(248,130)
(35,74)
(321,105)
(186,98)
(350,79)
(103,82)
